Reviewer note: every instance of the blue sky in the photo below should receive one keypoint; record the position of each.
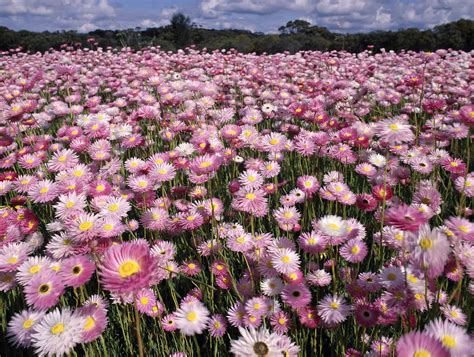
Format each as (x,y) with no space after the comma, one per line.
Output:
(256,15)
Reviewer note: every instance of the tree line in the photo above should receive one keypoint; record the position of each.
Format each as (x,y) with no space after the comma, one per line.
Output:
(295,36)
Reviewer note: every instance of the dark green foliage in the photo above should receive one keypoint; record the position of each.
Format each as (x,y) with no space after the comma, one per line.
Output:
(296,35)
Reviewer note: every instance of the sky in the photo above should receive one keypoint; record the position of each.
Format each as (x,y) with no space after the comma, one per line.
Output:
(255,15)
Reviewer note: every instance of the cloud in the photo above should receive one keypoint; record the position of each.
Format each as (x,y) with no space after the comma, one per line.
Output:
(214,8)
(256,15)
(82,15)
(342,15)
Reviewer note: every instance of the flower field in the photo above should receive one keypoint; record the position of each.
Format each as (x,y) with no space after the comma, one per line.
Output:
(216,204)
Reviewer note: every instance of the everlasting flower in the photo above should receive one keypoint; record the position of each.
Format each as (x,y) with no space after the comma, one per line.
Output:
(191,318)
(21,326)
(44,290)
(127,267)
(333,309)
(57,333)
(420,344)
(256,343)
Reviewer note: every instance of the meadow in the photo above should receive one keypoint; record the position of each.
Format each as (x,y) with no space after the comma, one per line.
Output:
(197,203)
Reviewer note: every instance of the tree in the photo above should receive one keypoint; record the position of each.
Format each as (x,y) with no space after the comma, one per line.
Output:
(180,27)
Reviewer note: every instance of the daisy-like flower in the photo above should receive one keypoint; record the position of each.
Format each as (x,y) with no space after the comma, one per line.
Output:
(77,270)
(333,226)
(251,179)
(354,251)
(57,333)
(60,246)
(127,267)
(271,286)
(287,215)
(296,295)
(70,205)
(430,248)
(308,184)
(418,344)
(312,242)
(454,314)
(319,277)
(404,217)
(333,309)
(270,169)
(62,160)
(394,131)
(251,201)
(95,322)
(156,219)
(115,207)
(285,260)
(31,267)
(274,142)
(392,277)
(192,317)
(217,325)
(44,289)
(162,172)
(13,255)
(43,191)
(21,325)
(454,338)
(84,228)
(140,184)
(256,343)
(366,314)
(145,300)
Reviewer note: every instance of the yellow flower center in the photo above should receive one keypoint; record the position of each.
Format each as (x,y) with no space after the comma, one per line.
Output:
(463,229)
(448,341)
(142,184)
(62,158)
(426,243)
(205,164)
(90,323)
(113,207)
(58,328)
(108,227)
(35,269)
(191,316)
(128,268)
(70,204)
(12,260)
(394,127)
(333,226)
(274,141)
(85,226)
(285,259)
(334,305)
(144,300)
(44,190)
(250,196)
(100,188)
(27,324)
(355,249)
(422,353)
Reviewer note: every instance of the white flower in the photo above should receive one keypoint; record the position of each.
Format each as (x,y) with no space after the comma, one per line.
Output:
(333,226)
(256,343)
(57,333)
(192,317)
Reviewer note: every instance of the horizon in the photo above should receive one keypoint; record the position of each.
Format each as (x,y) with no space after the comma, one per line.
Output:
(342,16)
